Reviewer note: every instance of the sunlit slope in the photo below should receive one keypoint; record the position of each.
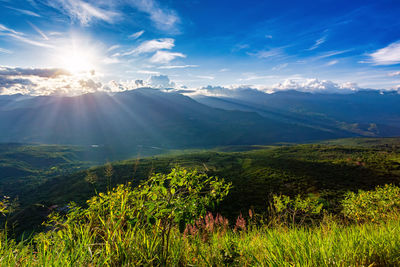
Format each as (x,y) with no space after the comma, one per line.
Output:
(366,113)
(144,117)
(327,171)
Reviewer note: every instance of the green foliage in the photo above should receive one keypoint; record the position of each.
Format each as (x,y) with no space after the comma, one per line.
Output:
(330,244)
(4,206)
(377,205)
(328,171)
(150,211)
(140,226)
(290,209)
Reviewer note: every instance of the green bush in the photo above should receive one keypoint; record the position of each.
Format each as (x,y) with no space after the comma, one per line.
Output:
(376,205)
(145,215)
(296,210)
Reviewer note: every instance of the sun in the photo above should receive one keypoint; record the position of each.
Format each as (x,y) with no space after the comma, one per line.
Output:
(77,61)
(77,57)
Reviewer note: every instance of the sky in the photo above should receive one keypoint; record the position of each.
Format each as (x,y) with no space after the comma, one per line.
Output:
(78,46)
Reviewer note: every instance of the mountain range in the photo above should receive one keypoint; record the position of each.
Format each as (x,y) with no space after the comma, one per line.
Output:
(129,121)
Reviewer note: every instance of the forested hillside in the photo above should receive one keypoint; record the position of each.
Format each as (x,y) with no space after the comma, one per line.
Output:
(326,170)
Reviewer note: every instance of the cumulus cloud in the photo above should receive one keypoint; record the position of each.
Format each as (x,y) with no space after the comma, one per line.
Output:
(160,81)
(306,85)
(90,84)
(7,82)
(139,83)
(388,55)
(315,86)
(47,73)
(165,57)
(35,81)
(45,81)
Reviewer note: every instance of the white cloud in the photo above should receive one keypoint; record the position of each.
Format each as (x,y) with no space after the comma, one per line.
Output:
(252,76)
(333,53)
(24,11)
(44,73)
(315,86)
(164,19)
(165,57)
(110,60)
(112,48)
(280,66)
(8,30)
(304,85)
(39,31)
(169,67)
(388,55)
(5,51)
(29,41)
(136,35)
(20,37)
(161,81)
(274,52)
(83,12)
(392,74)
(332,62)
(318,42)
(206,77)
(148,72)
(35,81)
(152,46)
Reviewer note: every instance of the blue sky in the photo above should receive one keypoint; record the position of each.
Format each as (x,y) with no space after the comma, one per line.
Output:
(119,44)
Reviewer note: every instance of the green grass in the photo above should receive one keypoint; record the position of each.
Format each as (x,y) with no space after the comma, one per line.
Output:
(141,226)
(325,170)
(330,244)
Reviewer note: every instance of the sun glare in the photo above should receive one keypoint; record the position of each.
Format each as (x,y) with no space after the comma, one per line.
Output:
(77,61)
(78,57)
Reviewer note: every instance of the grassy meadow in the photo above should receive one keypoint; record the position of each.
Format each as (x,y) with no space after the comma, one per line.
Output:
(331,204)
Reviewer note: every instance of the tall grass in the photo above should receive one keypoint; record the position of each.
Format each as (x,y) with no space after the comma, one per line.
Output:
(329,244)
(115,231)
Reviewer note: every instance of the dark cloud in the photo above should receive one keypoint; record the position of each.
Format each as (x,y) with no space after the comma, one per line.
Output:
(6,82)
(139,83)
(161,81)
(43,73)
(90,84)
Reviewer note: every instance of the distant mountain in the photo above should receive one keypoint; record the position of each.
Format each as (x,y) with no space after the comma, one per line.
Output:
(365,113)
(130,120)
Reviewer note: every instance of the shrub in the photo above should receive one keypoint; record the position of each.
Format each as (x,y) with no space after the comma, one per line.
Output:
(147,214)
(296,210)
(376,205)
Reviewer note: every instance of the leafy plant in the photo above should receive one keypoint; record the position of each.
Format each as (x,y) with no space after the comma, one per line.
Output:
(4,206)
(289,209)
(374,205)
(150,211)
